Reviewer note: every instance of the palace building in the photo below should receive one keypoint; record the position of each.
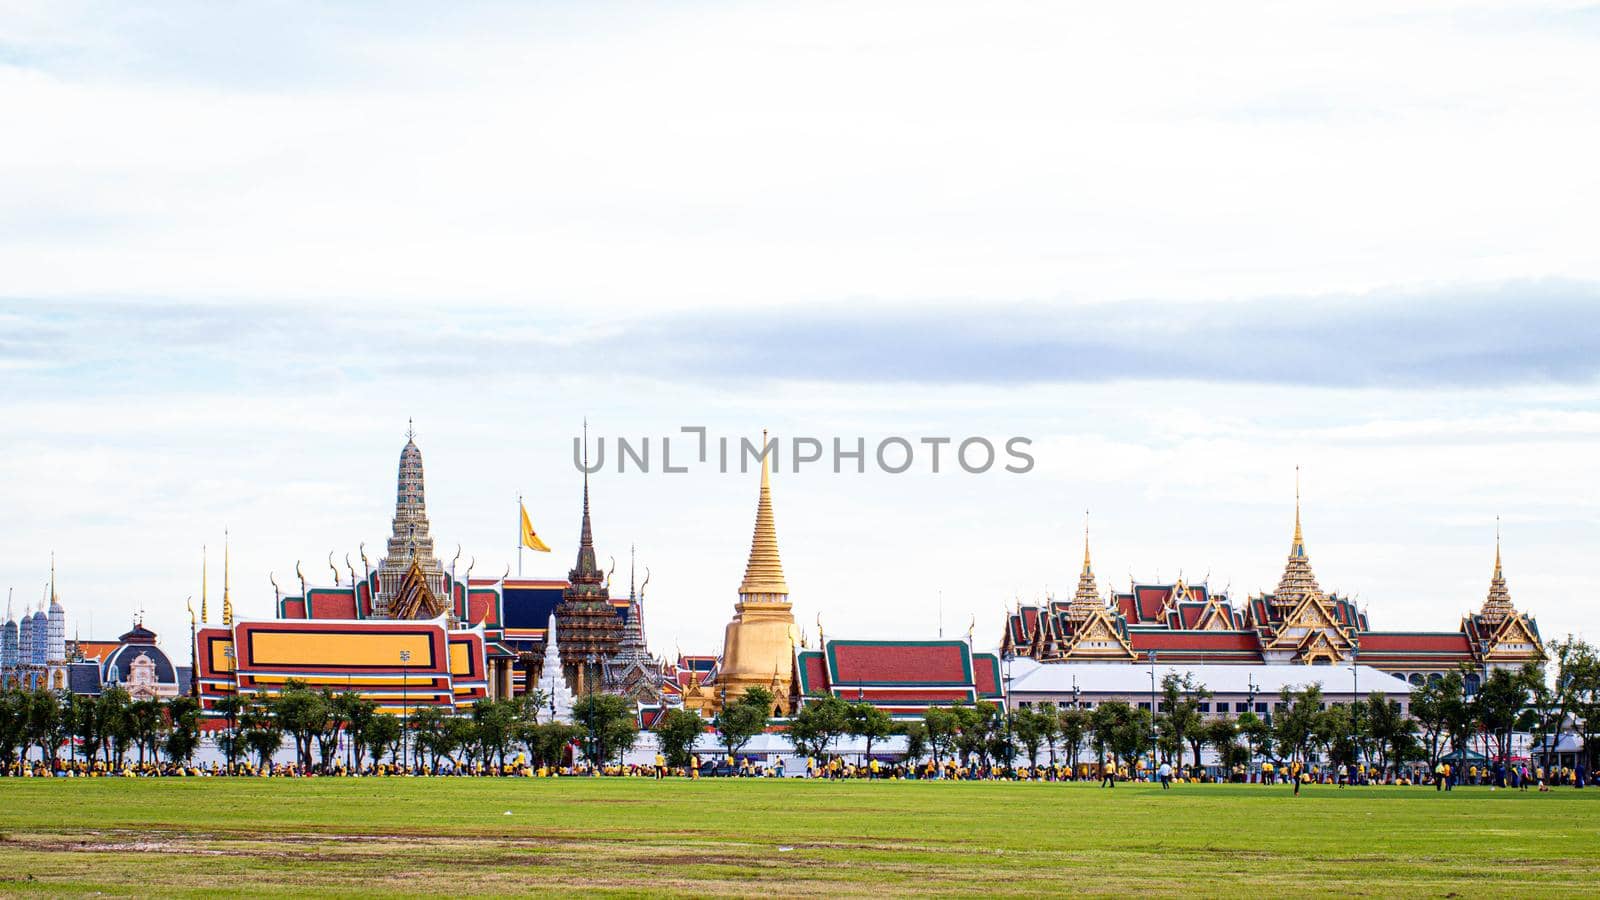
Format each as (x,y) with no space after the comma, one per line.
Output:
(411,631)
(1298,624)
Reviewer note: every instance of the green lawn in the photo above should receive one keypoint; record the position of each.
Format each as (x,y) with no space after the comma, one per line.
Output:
(171,837)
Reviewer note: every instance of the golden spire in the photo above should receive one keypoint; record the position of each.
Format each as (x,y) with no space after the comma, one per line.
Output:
(1086,569)
(1087,599)
(227,602)
(1298,548)
(763,574)
(1497,607)
(202,584)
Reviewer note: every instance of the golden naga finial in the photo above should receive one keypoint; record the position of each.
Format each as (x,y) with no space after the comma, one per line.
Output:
(189,602)
(334,568)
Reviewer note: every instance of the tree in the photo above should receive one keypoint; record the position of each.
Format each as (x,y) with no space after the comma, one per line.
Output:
(547,742)
(331,724)
(380,736)
(609,725)
(1578,679)
(431,735)
(941,726)
(1435,705)
(359,713)
(229,741)
(13,726)
(916,735)
(676,732)
(303,714)
(1049,728)
(496,721)
(1392,733)
(44,723)
(1294,728)
(975,731)
(183,731)
(818,723)
(1029,734)
(116,724)
(463,735)
(146,718)
(1222,733)
(1257,734)
(1181,698)
(869,722)
(1498,705)
(1075,725)
(1121,730)
(262,732)
(742,719)
(84,722)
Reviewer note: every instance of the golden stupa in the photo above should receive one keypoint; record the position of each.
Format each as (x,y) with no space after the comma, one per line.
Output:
(758,647)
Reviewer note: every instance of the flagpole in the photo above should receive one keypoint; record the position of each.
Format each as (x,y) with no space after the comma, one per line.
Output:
(519,535)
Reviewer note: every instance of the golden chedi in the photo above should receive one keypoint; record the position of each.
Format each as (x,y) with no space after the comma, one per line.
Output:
(758,647)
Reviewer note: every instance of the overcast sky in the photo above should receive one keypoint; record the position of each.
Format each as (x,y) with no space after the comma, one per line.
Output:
(1182,249)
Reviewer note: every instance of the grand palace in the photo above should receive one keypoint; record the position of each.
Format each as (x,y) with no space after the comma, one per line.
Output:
(411,630)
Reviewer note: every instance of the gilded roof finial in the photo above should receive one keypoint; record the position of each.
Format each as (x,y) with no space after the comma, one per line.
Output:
(227,601)
(411,430)
(202,584)
(1086,541)
(1299,547)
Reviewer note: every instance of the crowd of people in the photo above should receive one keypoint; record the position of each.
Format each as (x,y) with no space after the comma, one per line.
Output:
(1442,777)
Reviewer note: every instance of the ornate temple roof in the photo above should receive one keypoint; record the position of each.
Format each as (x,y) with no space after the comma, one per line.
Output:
(763,573)
(1087,599)
(1497,607)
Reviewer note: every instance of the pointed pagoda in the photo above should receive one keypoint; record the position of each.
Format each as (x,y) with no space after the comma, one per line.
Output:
(409,540)
(632,672)
(1302,624)
(759,644)
(1086,602)
(590,630)
(1497,606)
(1503,637)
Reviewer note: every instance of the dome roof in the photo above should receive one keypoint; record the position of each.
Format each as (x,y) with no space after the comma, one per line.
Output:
(122,658)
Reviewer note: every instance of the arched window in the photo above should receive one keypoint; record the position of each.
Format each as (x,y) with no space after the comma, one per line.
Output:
(1435,678)
(1471,683)
(1416,679)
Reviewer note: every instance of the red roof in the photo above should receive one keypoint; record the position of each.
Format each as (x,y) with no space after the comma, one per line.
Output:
(1415,642)
(892,662)
(1196,641)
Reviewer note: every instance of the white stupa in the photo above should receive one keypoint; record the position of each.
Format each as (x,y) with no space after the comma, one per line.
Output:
(552,681)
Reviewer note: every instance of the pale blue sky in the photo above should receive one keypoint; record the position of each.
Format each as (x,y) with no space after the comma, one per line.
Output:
(1183,252)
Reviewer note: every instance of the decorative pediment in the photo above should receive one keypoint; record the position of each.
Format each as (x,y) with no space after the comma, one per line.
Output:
(1215,616)
(1319,647)
(414,599)
(1099,638)
(1312,615)
(1515,639)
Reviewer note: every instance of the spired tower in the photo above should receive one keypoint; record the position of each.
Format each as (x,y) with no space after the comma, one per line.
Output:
(1086,602)
(758,646)
(590,629)
(558,697)
(8,645)
(410,540)
(1303,625)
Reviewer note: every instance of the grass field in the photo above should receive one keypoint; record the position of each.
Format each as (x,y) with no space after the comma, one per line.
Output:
(438,836)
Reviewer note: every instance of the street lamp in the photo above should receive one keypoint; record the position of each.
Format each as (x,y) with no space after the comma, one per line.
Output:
(1152,714)
(1250,707)
(405,707)
(1355,699)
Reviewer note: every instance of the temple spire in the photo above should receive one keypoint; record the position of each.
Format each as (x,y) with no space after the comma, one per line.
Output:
(1087,599)
(1497,606)
(1298,548)
(227,601)
(763,574)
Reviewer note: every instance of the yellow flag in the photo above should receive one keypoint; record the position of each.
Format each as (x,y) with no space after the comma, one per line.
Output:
(529,538)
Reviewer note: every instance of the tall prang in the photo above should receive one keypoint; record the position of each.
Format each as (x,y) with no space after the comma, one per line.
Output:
(409,541)
(759,644)
(552,681)
(589,626)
